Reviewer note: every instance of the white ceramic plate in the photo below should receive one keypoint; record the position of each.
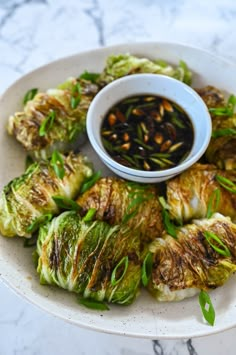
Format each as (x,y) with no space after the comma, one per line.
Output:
(145,318)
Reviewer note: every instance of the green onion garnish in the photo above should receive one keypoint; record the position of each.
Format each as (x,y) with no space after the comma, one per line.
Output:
(89,215)
(100,306)
(213,203)
(228,110)
(89,76)
(147,269)
(30,95)
(38,221)
(207,307)
(223,132)
(169,226)
(76,98)
(212,236)
(66,203)
(226,183)
(90,181)
(124,262)
(47,123)
(57,163)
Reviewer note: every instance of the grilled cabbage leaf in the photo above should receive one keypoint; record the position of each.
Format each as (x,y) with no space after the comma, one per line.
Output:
(29,196)
(120,65)
(184,266)
(63,112)
(117,201)
(222,146)
(189,194)
(81,257)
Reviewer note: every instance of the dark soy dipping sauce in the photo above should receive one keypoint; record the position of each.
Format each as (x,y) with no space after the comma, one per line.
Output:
(147,132)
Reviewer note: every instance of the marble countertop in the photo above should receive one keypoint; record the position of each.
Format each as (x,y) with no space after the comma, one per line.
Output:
(35,32)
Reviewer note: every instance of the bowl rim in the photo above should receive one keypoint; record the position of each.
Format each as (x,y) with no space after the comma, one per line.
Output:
(110,162)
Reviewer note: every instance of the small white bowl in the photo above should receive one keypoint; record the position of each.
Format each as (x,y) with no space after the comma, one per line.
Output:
(149,84)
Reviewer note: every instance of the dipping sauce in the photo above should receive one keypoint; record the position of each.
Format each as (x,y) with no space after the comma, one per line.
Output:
(147,133)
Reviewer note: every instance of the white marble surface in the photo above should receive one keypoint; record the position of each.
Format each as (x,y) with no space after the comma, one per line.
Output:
(34,32)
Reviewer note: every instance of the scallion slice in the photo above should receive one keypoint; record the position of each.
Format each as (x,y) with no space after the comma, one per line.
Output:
(66,203)
(89,215)
(57,163)
(96,305)
(30,95)
(89,76)
(207,307)
(88,183)
(223,249)
(226,183)
(146,271)
(124,262)
(38,221)
(223,132)
(47,123)
(213,203)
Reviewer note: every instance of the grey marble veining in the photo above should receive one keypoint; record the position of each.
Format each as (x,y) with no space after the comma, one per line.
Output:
(35,32)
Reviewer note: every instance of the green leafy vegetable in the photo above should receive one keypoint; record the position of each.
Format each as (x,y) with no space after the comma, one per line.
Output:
(169,226)
(223,132)
(76,98)
(90,181)
(38,221)
(91,304)
(89,76)
(212,236)
(57,163)
(66,203)
(213,203)
(89,215)
(207,307)
(124,262)
(147,269)
(47,123)
(30,95)
(226,183)
(228,110)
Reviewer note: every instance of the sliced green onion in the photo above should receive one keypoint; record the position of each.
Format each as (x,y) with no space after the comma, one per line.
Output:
(228,110)
(212,236)
(89,215)
(146,271)
(187,78)
(223,132)
(169,226)
(100,306)
(38,221)
(89,76)
(47,123)
(207,307)
(128,216)
(76,98)
(213,203)
(88,183)
(57,163)
(30,95)
(163,203)
(226,183)
(124,262)
(66,203)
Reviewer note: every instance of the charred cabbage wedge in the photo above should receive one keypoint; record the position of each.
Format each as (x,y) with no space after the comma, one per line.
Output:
(184,266)
(118,201)
(30,196)
(222,147)
(126,64)
(95,260)
(54,119)
(190,194)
